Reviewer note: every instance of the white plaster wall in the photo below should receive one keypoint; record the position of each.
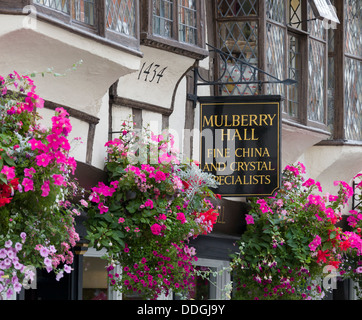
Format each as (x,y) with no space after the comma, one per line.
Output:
(140,87)
(101,133)
(177,118)
(48,46)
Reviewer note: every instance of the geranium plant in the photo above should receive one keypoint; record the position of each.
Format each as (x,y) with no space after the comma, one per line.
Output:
(292,240)
(36,220)
(146,214)
(352,259)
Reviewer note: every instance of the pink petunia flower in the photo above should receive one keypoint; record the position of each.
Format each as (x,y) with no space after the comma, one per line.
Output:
(45,189)
(29,172)
(59,180)
(43,160)
(249,219)
(9,172)
(28,184)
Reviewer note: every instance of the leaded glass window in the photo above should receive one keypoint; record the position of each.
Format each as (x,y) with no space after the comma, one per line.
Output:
(353,99)
(237,36)
(237,8)
(294,67)
(187,21)
(84,11)
(316,72)
(275,57)
(180,25)
(353,27)
(295,13)
(163,18)
(121,16)
(59,5)
(239,41)
(275,10)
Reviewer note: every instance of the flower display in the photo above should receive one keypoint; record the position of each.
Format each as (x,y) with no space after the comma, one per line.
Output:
(292,239)
(351,244)
(36,223)
(147,213)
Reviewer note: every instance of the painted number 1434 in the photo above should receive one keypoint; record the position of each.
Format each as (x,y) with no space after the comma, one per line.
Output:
(151,72)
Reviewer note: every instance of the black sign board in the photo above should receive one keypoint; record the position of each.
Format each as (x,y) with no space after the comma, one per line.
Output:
(241,143)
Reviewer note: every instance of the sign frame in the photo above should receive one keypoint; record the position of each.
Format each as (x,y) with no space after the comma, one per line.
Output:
(262,100)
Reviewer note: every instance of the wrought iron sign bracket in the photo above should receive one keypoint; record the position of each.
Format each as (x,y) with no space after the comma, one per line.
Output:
(200,81)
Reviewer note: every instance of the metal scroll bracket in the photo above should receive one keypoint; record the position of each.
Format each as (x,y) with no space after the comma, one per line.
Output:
(225,57)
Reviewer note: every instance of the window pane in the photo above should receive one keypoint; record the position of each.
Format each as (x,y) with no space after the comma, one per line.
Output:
(293,73)
(316,71)
(239,41)
(95,281)
(353,100)
(187,21)
(353,27)
(239,8)
(315,27)
(121,16)
(295,13)
(84,11)
(275,10)
(205,288)
(275,57)
(60,5)
(163,17)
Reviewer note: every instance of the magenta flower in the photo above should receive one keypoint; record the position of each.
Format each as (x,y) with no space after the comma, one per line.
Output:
(9,172)
(45,189)
(180,216)
(156,229)
(29,172)
(28,184)
(59,180)
(149,203)
(249,219)
(102,208)
(42,160)
(37,144)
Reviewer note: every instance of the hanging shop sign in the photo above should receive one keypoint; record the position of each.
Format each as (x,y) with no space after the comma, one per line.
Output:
(240,143)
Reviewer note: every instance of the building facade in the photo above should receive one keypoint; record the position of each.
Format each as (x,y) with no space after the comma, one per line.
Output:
(153,59)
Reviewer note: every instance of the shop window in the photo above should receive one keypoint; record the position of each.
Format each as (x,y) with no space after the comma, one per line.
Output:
(95,277)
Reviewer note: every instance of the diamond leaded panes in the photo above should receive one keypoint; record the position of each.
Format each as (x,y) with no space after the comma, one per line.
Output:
(316,73)
(353,99)
(292,103)
(59,5)
(353,27)
(275,57)
(316,27)
(121,16)
(240,41)
(236,8)
(295,13)
(275,10)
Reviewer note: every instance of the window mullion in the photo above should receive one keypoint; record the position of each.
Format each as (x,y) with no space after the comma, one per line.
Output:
(175,24)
